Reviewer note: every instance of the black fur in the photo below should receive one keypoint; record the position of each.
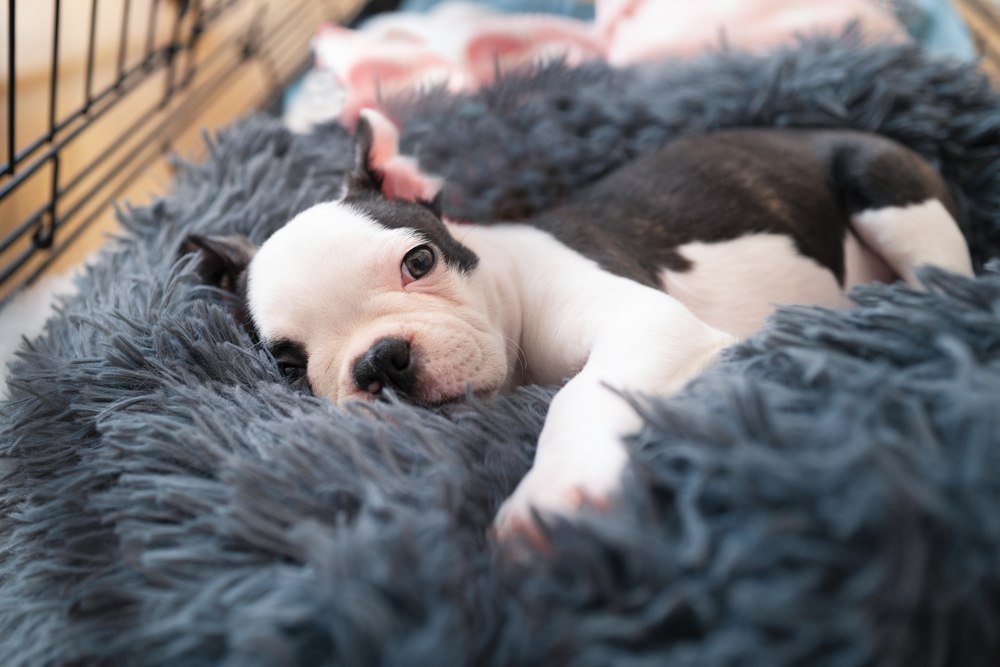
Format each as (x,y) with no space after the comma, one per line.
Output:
(720,186)
(396,214)
(221,261)
(363,185)
(292,360)
(872,172)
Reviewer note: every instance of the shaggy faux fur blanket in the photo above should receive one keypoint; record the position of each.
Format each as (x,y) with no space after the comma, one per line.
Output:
(828,495)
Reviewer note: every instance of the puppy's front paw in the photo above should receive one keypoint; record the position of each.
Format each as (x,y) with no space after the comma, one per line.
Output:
(559,488)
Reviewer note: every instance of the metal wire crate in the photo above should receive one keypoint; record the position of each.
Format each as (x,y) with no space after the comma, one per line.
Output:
(98,91)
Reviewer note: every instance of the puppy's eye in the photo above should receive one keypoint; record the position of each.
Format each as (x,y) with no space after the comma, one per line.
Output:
(293,372)
(292,362)
(417,263)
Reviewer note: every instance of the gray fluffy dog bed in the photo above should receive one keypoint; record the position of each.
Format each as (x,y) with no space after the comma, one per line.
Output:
(828,495)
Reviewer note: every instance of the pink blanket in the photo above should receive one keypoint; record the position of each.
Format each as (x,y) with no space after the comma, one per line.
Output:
(638,30)
(463,46)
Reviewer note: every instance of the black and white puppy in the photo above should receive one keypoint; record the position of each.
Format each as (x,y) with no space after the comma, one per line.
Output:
(636,283)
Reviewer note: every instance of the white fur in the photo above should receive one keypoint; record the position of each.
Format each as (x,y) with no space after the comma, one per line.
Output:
(863,265)
(613,334)
(911,236)
(735,285)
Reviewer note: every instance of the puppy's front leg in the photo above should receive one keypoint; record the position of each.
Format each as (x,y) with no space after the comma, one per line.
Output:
(641,341)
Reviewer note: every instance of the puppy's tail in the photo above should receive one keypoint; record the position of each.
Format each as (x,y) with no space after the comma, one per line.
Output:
(898,204)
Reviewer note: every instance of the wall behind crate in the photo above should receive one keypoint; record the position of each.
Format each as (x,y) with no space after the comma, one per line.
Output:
(229,57)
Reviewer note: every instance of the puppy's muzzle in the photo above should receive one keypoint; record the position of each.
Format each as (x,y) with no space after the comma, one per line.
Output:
(387,364)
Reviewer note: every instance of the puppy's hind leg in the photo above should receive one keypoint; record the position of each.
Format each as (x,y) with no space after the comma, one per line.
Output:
(914,235)
(899,206)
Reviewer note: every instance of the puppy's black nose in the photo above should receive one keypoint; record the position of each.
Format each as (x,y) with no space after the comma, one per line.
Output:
(386,364)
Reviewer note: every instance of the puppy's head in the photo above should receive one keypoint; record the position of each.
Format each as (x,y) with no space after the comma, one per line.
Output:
(365,295)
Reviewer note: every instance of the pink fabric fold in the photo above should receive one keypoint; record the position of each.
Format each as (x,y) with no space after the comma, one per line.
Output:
(462,46)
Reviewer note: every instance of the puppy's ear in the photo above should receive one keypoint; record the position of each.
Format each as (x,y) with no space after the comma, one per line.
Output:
(222,260)
(378,168)
(434,205)
(362,178)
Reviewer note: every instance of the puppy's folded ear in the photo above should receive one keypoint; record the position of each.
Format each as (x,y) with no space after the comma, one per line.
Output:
(434,205)
(379,170)
(362,178)
(222,260)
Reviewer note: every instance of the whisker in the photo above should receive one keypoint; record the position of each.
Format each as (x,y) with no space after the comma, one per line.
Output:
(519,354)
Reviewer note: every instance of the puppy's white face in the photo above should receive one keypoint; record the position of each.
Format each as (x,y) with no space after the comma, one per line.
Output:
(336,280)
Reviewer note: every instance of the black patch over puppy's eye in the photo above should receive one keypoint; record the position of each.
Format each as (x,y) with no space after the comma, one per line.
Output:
(417,263)
(292,362)
(291,372)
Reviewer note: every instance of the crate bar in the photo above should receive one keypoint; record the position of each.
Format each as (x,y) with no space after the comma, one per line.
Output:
(11,85)
(154,9)
(203,17)
(173,47)
(14,266)
(194,34)
(47,230)
(29,222)
(123,43)
(43,236)
(13,235)
(54,73)
(92,45)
